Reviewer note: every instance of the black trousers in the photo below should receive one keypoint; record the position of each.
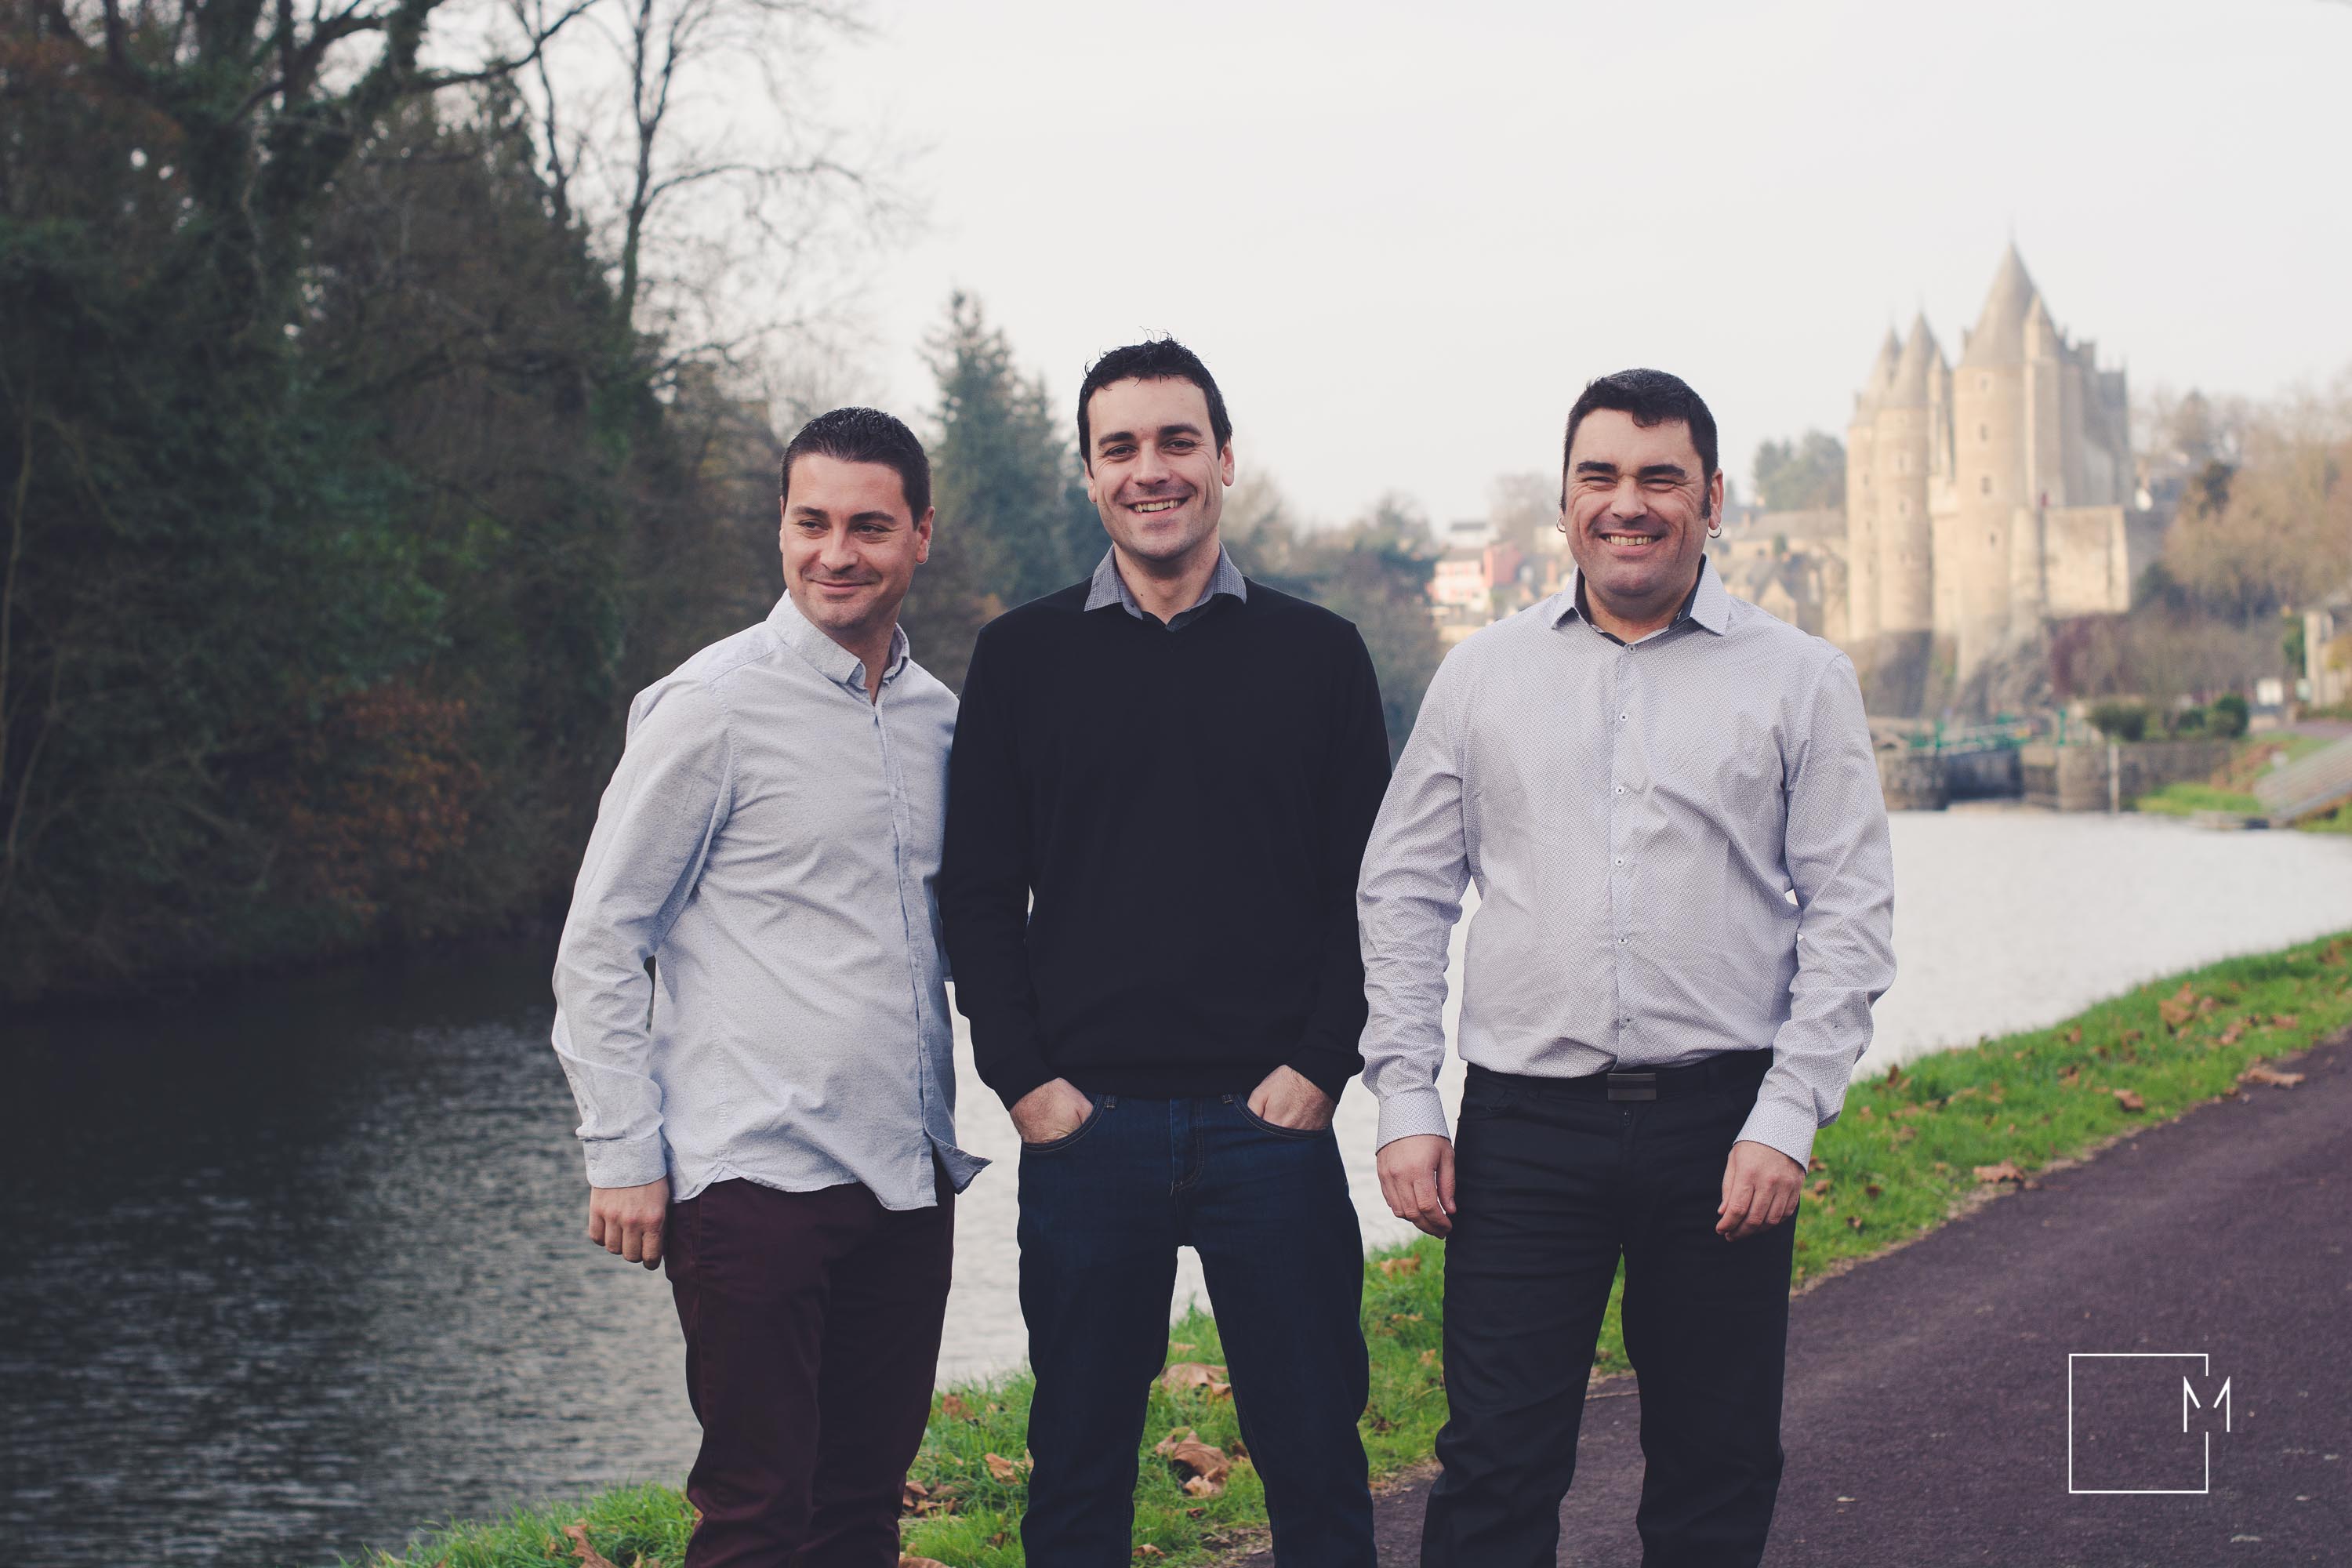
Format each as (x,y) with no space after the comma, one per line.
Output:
(1554,1185)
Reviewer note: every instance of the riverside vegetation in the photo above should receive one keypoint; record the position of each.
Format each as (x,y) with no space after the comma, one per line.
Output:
(1915,1147)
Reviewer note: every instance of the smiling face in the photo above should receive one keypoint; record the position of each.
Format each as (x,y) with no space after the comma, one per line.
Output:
(850,547)
(1636,509)
(1154,471)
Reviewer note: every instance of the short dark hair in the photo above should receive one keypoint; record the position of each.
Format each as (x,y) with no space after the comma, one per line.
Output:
(1652,397)
(863,435)
(1157,358)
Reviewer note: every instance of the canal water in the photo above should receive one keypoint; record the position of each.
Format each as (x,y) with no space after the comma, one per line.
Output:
(294,1270)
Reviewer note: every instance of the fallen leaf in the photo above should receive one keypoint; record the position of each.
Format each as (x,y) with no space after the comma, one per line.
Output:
(1004,1471)
(2070,1078)
(1816,1163)
(1406,1317)
(2074,1036)
(2230,1035)
(2282,1020)
(2006,1170)
(2261,1074)
(920,1563)
(1429,1358)
(588,1556)
(2130,1101)
(1176,1347)
(2207,1003)
(2131,1037)
(639,1560)
(1853,1222)
(1392,1267)
(1873,1189)
(955,1409)
(1822,1188)
(1203,1462)
(1894,1074)
(1187,1374)
(1864,1113)
(1168,1445)
(1148,1550)
(2178,1008)
(910,1494)
(1201,1486)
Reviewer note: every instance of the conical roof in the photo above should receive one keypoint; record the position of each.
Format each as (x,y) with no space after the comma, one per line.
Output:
(1921,358)
(1999,337)
(1880,376)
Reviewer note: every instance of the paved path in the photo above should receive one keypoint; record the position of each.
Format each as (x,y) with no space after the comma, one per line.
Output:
(1926,1412)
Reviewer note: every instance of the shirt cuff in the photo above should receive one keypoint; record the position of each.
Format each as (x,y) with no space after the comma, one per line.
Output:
(1777,1124)
(1413,1113)
(625,1162)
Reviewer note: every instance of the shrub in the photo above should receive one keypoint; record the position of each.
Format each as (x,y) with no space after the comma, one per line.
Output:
(2119,719)
(2227,717)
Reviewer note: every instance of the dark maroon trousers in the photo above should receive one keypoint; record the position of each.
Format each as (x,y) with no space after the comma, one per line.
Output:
(811,1336)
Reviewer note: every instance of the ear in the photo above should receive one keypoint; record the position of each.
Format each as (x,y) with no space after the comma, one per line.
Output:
(1225,464)
(1713,506)
(923,534)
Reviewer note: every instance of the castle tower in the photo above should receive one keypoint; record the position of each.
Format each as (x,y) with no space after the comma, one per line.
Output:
(1994,448)
(1862,513)
(1902,451)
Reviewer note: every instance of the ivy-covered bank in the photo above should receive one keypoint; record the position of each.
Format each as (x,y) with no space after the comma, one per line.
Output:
(1914,1149)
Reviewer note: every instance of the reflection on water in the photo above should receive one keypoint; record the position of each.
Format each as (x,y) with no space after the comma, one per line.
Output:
(295,1270)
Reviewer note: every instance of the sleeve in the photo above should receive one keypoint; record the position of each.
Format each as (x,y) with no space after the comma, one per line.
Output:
(984,879)
(1407,901)
(668,799)
(1842,869)
(1356,771)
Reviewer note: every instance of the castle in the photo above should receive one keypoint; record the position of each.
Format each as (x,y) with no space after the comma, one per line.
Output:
(1984,498)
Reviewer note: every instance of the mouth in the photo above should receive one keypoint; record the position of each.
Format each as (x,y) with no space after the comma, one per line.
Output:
(1633,541)
(1160,505)
(836,590)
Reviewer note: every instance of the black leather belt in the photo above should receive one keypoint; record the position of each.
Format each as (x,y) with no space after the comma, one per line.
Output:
(1743,1070)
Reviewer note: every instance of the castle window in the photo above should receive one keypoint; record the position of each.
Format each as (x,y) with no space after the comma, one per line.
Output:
(1984,485)
(1984,432)
(1984,384)
(1903,509)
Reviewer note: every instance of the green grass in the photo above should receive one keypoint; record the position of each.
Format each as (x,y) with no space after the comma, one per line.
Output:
(1900,1161)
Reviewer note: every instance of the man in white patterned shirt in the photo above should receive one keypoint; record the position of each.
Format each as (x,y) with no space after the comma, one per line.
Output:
(1669,803)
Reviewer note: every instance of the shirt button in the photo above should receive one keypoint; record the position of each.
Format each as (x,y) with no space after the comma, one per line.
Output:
(1622,717)
(1623,940)
(1618,861)
(1621,789)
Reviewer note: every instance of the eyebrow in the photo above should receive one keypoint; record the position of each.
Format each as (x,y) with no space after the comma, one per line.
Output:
(1652,471)
(806,513)
(1183,427)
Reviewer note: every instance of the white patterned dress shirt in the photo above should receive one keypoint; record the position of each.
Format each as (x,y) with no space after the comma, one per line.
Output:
(1637,817)
(771,839)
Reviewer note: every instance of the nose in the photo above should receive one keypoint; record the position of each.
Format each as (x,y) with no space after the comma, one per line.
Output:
(838,555)
(1149,467)
(1627,501)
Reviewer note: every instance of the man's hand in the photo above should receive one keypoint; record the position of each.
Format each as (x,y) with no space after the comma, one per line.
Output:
(1760,1190)
(1417,1180)
(1051,1111)
(1288,1098)
(627,1221)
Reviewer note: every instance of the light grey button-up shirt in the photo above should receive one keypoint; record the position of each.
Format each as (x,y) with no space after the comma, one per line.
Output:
(1109,588)
(771,839)
(1636,817)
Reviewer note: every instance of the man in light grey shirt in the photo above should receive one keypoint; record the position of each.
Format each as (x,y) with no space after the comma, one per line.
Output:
(771,1113)
(1670,804)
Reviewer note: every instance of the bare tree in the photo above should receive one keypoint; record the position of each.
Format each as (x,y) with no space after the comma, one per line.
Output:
(692,136)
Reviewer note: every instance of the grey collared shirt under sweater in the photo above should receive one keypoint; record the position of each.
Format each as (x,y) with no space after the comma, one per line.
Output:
(771,839)
(1636,817)
(1109,588)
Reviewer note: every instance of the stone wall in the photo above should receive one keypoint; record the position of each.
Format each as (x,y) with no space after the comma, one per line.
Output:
(2075,778)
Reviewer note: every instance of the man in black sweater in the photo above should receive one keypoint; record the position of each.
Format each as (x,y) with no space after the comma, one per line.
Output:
(1157,800)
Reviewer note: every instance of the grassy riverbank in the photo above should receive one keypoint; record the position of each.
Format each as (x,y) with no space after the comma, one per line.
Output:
(2232,790)
(1914,1149)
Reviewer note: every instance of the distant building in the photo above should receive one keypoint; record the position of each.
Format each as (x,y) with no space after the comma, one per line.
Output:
(1984,498)
(2328,652)
(1789,564)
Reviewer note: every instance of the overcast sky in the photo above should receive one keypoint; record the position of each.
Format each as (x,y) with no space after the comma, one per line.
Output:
(1402,236)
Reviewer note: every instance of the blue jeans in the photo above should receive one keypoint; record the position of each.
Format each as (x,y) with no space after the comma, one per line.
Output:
(1102,1214)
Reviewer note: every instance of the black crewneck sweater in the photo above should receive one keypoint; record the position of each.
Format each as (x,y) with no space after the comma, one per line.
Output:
(1148,881)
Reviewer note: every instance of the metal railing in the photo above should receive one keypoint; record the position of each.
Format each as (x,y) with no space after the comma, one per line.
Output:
(2307,785)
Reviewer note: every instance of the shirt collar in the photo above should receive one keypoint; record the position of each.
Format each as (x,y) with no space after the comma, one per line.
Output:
(1708,604)
(830,660)
(1109,588)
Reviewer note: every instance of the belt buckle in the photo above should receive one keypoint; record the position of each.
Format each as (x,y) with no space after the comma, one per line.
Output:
(1633,1086)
